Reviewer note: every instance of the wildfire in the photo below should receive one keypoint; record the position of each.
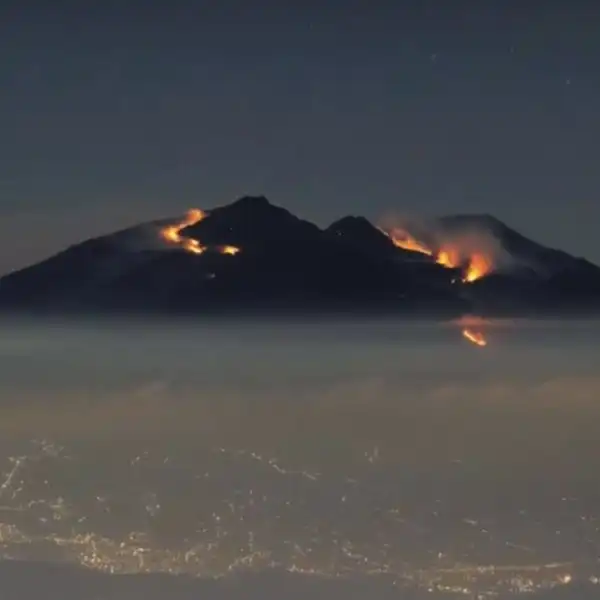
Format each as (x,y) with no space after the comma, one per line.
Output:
(192,245)
(477,264)
(232,250)
(448,257)
(172,234)
(475,337)
(404,240)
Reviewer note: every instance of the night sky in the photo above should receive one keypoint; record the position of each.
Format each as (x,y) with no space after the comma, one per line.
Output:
(129,111)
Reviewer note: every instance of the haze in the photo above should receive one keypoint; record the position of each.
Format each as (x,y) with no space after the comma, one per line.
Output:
(396,454)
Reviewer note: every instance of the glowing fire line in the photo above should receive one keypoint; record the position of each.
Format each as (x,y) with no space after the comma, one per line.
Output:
(404,240)
(478,264)
(172,234)
(475,337)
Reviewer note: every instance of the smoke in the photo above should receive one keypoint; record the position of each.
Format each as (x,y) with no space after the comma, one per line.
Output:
(417,226)
(145,237)
(474,242)
(459,241)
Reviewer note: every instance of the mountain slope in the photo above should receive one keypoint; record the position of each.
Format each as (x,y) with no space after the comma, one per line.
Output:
(253,255)
(84,266)
(282,262)
(524,254)
(528,276)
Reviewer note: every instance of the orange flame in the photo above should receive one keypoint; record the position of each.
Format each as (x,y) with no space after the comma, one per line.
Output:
(479,266)
(194,246)
(475,337)
(172,233)
(402,239)
(448,257)
(232,250)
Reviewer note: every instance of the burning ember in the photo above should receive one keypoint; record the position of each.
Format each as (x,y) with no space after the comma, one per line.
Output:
(477,264)
(232,250)
(172,234)
(475,337)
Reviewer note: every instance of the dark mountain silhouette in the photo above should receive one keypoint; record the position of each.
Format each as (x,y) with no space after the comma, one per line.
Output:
(525,254)
(361,234)
(528,276)
(286,263)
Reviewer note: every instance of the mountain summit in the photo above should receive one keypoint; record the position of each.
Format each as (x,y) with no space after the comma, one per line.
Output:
(252,255)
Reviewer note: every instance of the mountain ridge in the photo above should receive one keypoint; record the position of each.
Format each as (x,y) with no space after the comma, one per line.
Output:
(252,255)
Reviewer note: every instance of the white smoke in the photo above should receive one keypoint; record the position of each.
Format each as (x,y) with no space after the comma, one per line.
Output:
(465,242)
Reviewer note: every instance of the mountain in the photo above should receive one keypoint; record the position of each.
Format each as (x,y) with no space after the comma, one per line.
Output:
(284,263)
(524,254)
(428,279)
(528,276)
(360,233)
(251,255)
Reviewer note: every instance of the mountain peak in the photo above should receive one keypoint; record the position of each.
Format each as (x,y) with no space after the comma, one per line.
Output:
(359,232)
(480,221)
(255,207)
(252,202)
(351,221)
(357,228)
(252,222)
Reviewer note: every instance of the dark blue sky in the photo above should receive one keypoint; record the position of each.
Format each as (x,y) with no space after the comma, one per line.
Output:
(131,111)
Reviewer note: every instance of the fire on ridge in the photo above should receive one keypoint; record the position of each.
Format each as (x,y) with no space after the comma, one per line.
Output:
(172,235)
(478,264)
